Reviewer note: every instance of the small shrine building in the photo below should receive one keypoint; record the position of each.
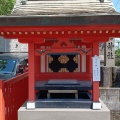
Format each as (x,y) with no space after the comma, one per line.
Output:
(63,42)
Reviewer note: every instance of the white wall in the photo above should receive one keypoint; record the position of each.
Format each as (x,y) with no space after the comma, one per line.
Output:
(12,46)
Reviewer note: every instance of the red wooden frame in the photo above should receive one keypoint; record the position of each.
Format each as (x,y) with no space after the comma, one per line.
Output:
(31,82)
(29,34)
(89,35)
(76,75)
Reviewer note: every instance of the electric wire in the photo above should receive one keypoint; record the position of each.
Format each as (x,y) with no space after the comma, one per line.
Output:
(117,3)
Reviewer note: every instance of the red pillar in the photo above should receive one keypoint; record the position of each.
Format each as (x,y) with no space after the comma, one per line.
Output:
(95,92)
(31,83)
(89,60)
(37,63)
(89,63)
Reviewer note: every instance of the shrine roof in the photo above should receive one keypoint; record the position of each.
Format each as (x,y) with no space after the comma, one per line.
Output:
(63,7)
(61,12)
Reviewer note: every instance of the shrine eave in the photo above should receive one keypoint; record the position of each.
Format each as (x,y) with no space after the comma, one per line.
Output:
(60,20)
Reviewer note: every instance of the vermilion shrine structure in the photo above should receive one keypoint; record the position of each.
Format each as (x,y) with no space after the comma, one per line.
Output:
(71,39)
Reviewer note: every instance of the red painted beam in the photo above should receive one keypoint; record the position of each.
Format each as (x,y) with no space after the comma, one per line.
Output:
(63,50)
(59,28)
(54,32)
(60,35)
(70,75)
(47,43)
(33,40)
(95,39)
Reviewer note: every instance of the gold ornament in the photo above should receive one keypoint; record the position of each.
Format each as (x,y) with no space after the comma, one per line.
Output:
(63,70)
(63,59)
(50,59)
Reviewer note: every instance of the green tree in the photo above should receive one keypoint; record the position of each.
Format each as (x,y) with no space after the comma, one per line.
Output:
(117,52)
(117,61)
(3,64)
(6,6)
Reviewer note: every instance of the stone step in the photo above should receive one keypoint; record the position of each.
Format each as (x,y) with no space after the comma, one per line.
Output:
(63,85)
(63,103)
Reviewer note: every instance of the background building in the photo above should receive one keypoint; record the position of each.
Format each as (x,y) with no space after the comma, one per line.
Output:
(12,46)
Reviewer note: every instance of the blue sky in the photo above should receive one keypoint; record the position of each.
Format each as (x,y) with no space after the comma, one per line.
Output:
(117,4)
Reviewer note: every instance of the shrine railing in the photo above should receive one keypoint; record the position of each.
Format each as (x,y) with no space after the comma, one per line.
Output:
(13,93)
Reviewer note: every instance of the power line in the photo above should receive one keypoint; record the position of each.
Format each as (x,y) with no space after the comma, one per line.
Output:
(117,3)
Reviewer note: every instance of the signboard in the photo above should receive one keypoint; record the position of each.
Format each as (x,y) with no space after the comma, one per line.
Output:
(110,53)
(96,68)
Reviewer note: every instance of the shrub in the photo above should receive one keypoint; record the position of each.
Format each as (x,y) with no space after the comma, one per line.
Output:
(6,6)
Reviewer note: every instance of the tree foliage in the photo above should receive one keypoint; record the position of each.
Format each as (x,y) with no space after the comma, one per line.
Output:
(6,6)
(3,64)
(117,61)
(117,52)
